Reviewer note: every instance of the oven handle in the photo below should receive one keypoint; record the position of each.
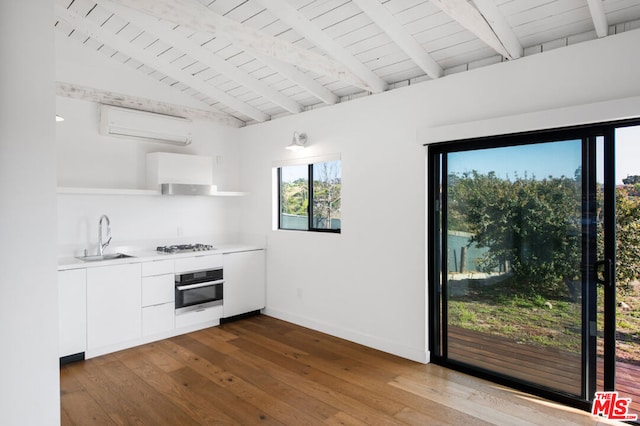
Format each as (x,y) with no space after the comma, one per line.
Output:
(192,286)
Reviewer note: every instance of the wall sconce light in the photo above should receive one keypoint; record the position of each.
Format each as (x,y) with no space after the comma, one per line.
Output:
(59,119)
(298,142)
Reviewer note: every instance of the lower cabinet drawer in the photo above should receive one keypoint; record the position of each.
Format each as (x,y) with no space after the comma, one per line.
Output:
(157,267)
(158,289)
(196,317)
(157,319)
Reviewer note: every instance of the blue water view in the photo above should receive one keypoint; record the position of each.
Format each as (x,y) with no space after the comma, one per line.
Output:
(455,242)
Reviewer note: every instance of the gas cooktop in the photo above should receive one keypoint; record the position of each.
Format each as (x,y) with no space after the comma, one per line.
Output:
(184,248)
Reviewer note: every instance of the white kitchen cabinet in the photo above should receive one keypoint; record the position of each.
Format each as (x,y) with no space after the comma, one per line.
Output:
(158,289)
(158,297)
(158,319)
(72,308)
(157,267)
(114,300)
(244,282)
(168,167)
(198,262)
(210,315)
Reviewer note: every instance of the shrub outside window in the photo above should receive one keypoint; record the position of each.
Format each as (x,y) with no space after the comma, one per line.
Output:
(310,197)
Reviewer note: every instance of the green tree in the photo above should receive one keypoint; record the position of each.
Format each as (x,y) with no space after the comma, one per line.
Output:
(627,238)
(529,226)
(295,197)
(327,193)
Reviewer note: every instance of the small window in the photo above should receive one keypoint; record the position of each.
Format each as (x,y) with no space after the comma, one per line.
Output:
(310,196)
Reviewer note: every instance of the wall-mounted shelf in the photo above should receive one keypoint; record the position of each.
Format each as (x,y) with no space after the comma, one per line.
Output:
(106,191)
(124,191)
(229,194)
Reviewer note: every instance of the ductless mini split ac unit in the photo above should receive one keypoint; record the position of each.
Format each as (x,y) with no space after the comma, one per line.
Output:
(144,126)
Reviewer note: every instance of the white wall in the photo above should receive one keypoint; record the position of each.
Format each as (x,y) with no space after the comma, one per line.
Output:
(87,159)
(145,221)
(29,375)
(368,283)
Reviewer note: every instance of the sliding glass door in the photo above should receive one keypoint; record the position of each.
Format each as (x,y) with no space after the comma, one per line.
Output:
(512,287)
(618,292)
(529,234)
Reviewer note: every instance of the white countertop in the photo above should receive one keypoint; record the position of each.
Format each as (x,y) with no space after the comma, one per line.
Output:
(148,255)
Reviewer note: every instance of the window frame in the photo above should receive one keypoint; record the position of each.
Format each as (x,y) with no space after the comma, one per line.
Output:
(310,227)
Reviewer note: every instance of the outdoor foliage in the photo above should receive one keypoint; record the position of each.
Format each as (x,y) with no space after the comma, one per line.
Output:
(327,190)
(627,238)
(627,235)
(326,197)
(295,197)
(531,227)
(534,227)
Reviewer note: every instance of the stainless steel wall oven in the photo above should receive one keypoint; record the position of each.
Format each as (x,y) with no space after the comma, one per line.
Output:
(199,289)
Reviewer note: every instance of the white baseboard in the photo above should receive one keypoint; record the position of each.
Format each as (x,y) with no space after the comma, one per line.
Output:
(92,353)
(417,355)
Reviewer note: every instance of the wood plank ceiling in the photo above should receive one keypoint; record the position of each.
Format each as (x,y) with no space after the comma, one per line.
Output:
(249,61)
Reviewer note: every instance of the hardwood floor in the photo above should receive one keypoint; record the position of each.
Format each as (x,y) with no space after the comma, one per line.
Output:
(261,370)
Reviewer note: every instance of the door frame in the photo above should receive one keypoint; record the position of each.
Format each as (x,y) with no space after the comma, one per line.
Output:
(436,244)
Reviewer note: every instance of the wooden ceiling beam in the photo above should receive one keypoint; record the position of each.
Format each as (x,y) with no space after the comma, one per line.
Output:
(389,24)
(164,31)
(194,15)
(470,18)
(307,29)
(106,97)
(599,17)
(124,46)
(500,27)
(296,76)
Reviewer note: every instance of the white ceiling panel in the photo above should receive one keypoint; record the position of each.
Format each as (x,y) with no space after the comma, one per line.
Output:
(256,66)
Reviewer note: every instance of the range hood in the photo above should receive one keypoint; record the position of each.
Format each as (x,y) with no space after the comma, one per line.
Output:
(180,174)
(187,189)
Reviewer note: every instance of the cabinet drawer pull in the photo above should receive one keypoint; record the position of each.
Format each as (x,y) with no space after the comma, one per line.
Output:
(199,285)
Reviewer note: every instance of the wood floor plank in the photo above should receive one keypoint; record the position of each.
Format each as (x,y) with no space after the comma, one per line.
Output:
(261,370)
(201,361)
(342,418)
(178,386)
(256,372)
(362,395)
(285,356)
(145,398)
(412,417)
(216,340)
(216,398)
(80,405)
(293,403)
(358,397)
(453,396)
(117,406)
(160,359)
(331,389)
(76,403)
(213,386)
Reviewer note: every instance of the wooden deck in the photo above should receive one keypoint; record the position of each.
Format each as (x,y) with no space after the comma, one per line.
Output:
(555,369)
(261,370)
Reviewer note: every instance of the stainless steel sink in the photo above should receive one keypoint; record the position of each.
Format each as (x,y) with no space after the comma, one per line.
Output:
(98,257)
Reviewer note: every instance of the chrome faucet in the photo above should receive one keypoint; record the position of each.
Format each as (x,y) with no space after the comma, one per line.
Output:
(101,245)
